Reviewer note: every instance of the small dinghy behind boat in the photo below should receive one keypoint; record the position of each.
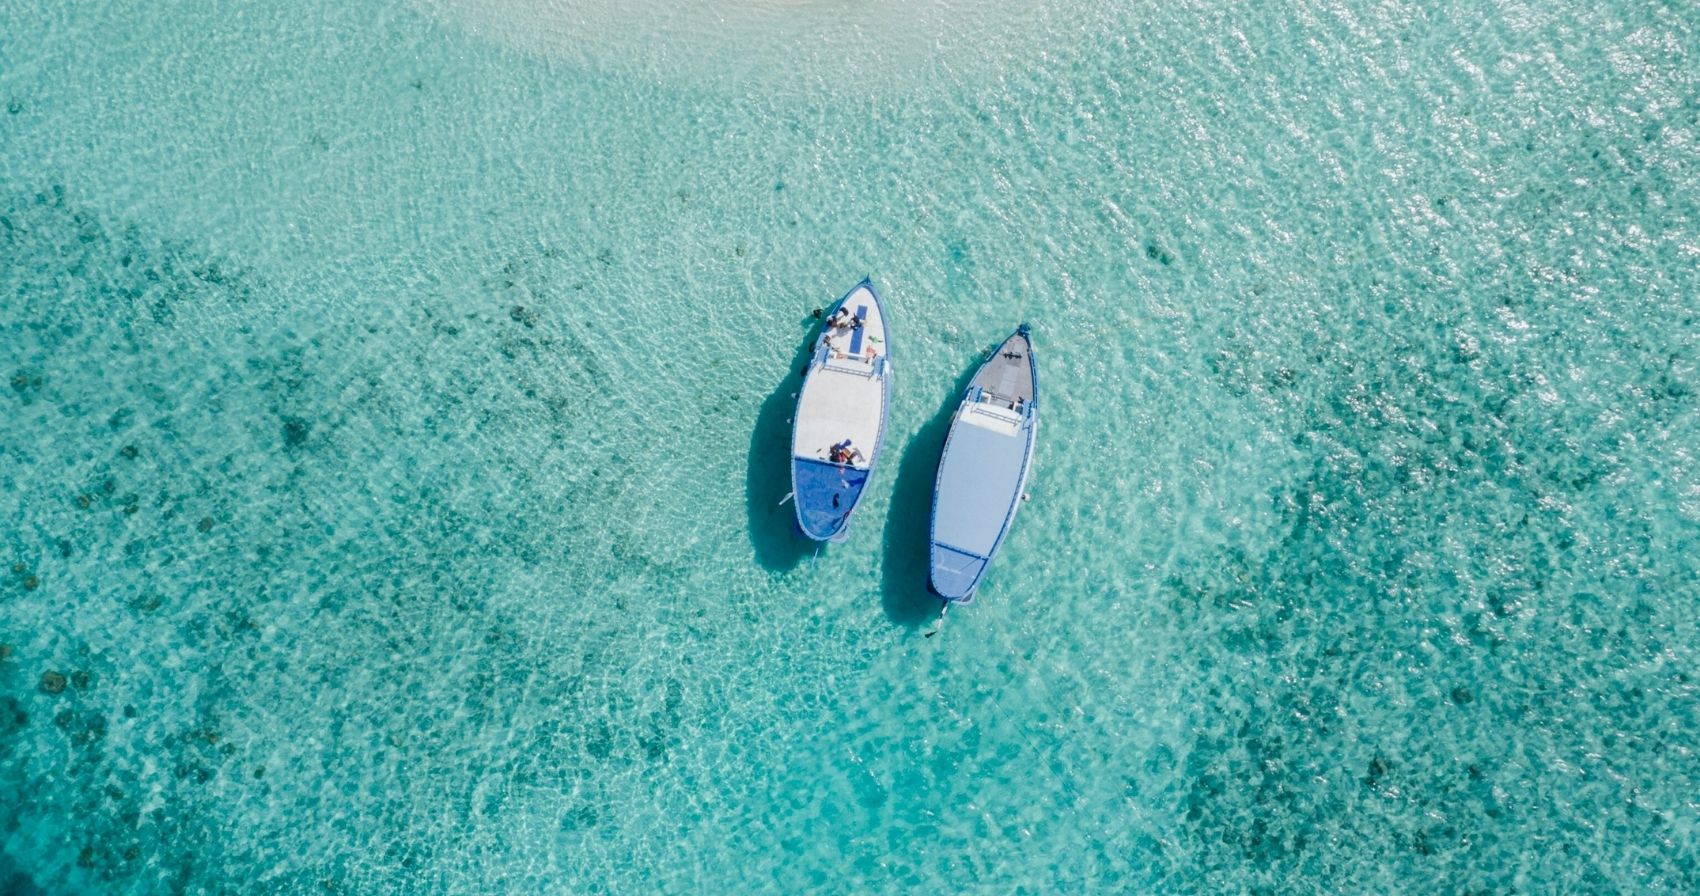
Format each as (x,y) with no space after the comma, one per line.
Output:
(840,422)
(986,460)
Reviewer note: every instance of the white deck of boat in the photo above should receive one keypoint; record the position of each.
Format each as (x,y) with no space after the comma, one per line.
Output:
(993,415)
(979,484)
(841,339)
(844,399)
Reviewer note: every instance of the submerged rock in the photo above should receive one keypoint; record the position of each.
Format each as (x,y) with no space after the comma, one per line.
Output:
(12,716)
(52,682)
(294,431)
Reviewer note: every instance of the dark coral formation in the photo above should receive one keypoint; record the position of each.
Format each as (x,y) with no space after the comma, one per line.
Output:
(400,567)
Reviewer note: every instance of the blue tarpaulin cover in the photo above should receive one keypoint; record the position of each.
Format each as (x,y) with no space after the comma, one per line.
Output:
(979,482)
(826,492)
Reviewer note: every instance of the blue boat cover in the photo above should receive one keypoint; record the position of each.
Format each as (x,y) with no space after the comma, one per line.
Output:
(955,573)
(856,337)
(825,495)
(979,482)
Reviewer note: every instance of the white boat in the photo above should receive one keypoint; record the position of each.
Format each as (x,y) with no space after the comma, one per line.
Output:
(840,423)
(987,458)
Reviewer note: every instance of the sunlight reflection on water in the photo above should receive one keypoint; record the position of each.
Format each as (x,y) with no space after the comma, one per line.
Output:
(774,43)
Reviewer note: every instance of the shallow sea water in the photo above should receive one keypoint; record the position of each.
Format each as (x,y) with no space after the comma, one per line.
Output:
(396,414)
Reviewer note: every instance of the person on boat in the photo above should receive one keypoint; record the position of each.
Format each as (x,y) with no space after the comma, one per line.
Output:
(840,319)
(843,453)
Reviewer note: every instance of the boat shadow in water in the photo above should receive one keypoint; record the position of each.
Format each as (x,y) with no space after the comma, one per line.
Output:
(779,546)
(904,592)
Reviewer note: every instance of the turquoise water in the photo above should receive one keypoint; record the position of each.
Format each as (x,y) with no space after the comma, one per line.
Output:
(397,410)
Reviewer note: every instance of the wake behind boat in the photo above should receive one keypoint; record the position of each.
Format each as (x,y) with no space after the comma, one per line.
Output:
(841,410)
(987,457)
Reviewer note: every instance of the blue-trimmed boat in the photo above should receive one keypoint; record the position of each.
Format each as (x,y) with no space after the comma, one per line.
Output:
(841,411)
(987,457)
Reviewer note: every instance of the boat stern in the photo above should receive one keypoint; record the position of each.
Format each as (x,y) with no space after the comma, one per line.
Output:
(826,495)
(954,574)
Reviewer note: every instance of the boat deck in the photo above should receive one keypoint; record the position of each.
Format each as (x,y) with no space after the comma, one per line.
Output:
(844,397)
(1007,379)
(980,477)
(838,406)
(856,348)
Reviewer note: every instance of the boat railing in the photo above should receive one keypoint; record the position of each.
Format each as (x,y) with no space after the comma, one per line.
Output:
(854,364)
(996,412)
(983,396)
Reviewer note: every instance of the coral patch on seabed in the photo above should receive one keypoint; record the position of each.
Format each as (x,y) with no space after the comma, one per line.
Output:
(52,682)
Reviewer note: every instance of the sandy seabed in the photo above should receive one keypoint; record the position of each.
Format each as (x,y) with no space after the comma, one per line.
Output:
(803,43)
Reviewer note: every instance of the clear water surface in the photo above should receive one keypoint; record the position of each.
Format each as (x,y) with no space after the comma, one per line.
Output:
(396,403)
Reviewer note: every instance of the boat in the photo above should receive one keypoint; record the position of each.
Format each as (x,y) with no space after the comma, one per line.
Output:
(841,410)
(984,468)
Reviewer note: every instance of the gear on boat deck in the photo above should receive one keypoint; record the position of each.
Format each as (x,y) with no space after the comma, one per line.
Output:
(1008,377)
(853,342)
